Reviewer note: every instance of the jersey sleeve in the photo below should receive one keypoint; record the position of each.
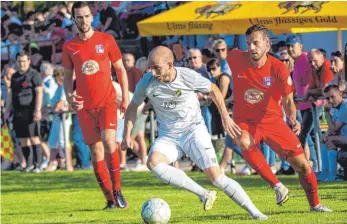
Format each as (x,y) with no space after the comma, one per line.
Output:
(196,82)
(232,58)
(37,80)
(140,90)
(66,60)
(284,80)
(113,51)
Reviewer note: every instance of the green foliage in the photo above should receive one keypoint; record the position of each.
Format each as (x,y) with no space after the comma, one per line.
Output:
(64,197)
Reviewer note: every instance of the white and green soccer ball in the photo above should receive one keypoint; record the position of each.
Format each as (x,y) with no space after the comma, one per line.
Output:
(155,211)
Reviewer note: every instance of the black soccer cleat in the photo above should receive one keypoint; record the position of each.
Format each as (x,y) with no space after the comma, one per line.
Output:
(120,200)
(109,206)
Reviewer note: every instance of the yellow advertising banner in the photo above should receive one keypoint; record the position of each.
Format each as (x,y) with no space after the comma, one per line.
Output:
(235,17)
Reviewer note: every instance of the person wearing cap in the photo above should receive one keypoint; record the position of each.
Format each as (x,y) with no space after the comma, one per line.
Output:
(302,75)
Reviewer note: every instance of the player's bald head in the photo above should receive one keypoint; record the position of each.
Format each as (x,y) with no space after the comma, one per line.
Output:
(160,54)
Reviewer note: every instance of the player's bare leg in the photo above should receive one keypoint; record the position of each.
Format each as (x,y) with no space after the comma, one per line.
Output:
(101,173)
(308,182)
(159,165)
(255,158)
(233,190)
(108,137)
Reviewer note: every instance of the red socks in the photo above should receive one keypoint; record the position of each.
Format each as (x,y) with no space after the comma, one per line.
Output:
(309,183)
(257,161)
(114,167)
(103,178)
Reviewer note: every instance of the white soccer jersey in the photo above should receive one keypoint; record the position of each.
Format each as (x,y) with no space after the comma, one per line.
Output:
(175,103)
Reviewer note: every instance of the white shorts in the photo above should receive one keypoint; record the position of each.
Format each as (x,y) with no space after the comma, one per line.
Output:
(195,143)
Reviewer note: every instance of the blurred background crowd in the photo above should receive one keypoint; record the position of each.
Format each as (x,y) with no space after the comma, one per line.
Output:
(40,30)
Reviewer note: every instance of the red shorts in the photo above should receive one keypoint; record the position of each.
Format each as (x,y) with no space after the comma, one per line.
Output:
(93,121)
(277,135)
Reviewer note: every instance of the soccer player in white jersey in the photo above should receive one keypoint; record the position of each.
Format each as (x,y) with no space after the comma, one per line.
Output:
(172,92)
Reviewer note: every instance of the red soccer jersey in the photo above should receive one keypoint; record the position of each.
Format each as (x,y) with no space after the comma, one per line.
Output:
(91,59)
(258,91)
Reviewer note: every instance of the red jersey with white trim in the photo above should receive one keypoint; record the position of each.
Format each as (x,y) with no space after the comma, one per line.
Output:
(258,91)
(91,59)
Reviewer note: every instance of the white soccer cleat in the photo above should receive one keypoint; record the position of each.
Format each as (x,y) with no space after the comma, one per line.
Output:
(320,208)
(246,171)
(281,194)
(260,216)
(209,200)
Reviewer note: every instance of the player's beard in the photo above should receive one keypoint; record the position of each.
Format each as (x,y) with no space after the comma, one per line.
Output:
(80,28)
(257,57)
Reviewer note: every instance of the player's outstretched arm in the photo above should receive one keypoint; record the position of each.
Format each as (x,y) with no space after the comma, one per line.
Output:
(123,81)
(229,125)
(130,117)
(290,111)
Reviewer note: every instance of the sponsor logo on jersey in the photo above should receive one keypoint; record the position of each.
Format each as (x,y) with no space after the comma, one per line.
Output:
(90,67)
(99,49)
(267,81)
(178,93)
(253,96)
(169,105)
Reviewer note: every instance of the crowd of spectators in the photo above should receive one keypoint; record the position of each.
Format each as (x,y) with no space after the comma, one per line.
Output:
(43,32)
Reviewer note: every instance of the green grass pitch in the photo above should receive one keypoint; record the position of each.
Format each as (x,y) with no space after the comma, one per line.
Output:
(64,197)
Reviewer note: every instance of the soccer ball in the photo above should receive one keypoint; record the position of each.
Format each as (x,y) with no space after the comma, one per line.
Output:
(155,210)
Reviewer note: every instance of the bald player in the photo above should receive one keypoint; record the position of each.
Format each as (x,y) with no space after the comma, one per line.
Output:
(171,91)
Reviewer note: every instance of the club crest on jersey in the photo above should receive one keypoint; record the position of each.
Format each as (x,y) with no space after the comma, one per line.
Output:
(178,93)
(90,67)
(267,81)
(99,48)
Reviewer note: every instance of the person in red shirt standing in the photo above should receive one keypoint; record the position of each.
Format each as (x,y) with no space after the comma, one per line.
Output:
(262,86)
(90,55)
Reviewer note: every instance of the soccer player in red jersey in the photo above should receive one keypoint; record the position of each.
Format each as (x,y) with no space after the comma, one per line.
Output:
(262,86)
(90,55)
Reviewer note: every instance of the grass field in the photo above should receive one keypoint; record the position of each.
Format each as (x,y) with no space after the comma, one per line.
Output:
(63,197)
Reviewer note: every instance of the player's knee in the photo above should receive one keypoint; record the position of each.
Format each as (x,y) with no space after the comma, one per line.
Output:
(245,143)
(213,173)
(304,168)
(152,161)
(109,143)
(222,182)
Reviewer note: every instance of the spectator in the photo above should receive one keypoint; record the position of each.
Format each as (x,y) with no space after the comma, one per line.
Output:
(206,55)
(108,19)
(142,65)
(59,135)
(138,134)
(337,66)
(321,77)
(336,137)
(134,74)
(25,95)
(178,52)
(195,63)
(220,50)
(302,76)
(49,89)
